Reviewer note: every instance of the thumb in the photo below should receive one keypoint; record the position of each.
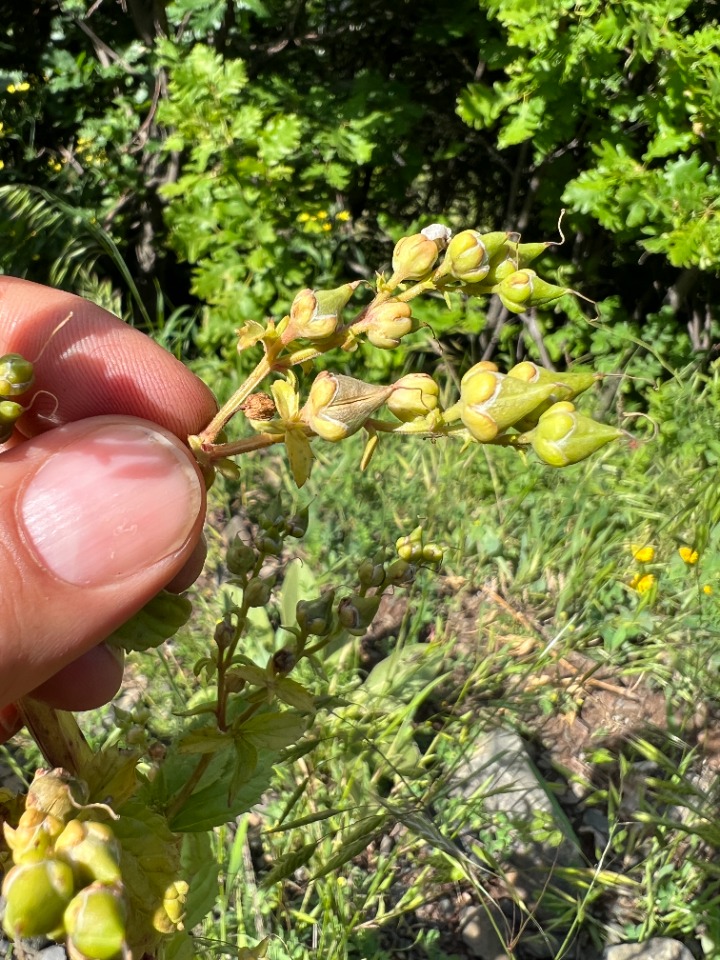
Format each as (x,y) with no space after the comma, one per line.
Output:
(95,518)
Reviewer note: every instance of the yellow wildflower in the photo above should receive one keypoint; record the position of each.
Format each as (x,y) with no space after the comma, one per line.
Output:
(18,87)
(343,216)
(689,555)
(303,217)
(643,583)
(642,553)
(326,227)
(2,164)
(707,589)
(322,214)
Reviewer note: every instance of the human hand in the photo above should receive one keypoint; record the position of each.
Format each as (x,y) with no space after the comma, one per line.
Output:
(99,510)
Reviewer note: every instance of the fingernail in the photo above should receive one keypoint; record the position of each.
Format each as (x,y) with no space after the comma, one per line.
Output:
(117,499)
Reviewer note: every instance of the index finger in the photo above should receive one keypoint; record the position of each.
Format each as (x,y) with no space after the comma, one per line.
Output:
(95,364)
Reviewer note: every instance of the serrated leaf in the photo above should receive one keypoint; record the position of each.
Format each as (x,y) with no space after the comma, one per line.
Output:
(295,695)
(159,619)
(203,740)
(273,730)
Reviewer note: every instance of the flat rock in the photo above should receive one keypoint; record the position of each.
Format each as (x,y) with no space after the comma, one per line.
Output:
(659,948)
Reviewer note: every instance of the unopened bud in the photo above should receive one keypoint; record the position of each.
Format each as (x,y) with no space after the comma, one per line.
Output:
(315,617)
(16,375)
(414,257)
(36,895)
(387,323)
(563,436)
(356,613)
(338,406)
(91,850)
(524,288)
(413,396)
(371,574)
(566,386)
(33,837)
(296,525)
(258,591)
(315,314)
(95,923)
(240,558)
(490,402)
(466,257)
(401,573)
(432,554)
(283,661)
(57,792)
(224,633)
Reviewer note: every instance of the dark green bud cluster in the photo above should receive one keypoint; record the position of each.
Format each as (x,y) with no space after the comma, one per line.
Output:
(65,882)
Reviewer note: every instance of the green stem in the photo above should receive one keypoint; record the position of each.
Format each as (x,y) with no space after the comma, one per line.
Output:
(176,805)
(216,451)
(229,409)
(57,735)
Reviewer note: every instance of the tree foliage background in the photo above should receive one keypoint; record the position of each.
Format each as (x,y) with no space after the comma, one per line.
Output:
(229,152)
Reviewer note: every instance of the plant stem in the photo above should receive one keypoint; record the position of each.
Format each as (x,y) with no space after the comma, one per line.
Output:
(176,804)
(216,451)
(57,735)
(229,409)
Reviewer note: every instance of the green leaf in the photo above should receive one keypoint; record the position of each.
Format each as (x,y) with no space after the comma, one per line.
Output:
(201,869)
(159,619)
(272,730)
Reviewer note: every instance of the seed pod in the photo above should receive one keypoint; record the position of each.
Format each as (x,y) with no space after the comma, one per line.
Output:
(338,406)
(371,574)
(16,375)
(36,896)
(356,613)
(413,396)
(563,436)
(490,402)
(91,850)
(95,923)
(315,616)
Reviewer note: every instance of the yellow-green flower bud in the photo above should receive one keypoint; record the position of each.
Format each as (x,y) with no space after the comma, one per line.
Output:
(10,413)
(91,850)
(432,553)
(413,396)
(563,436)
(33,837)
(569,384)
(466,257)
(36,896)
(356,613)
(338,406)
(387,323)
(315,617)
(16,375)
(258,591)
(170,915)
(315,314)
(524,288)
(414,257)
(95,923)
(490,402)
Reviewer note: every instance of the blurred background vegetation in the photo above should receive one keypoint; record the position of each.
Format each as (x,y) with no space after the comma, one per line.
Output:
(190,165)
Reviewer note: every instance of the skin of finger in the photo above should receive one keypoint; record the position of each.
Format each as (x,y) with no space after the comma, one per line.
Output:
(54,632)
(95,364)
(88,682)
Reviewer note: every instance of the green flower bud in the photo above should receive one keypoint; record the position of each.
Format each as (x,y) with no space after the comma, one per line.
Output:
(371,574)
(95,923)
(524,288)
(91,850)
(315,617)
(338,406)
(241,558)
(401,573)
(283,661)
(466,257)
(566,386)
(387,323)
(563,436)
(415,256)
(16,375)
(173,907)
(496,245)
(432,553)
(36,896)
(225,632)
(413,396)
(490,402)
(296,525)
(356,613)
(315,314)
(258,591)
(10,413)
(270,546)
